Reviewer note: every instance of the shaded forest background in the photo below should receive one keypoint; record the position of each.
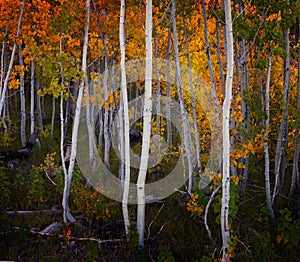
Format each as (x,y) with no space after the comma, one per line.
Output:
(41,56)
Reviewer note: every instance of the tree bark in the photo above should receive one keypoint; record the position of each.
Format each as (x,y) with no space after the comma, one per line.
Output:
(168,109)
(125,117)
(192,91)
(266,136)
(32,93)
(295,171)
(12,58)
(65,202)
(185,123)
(226,137)
(147,115)
(283,126)
(22,99)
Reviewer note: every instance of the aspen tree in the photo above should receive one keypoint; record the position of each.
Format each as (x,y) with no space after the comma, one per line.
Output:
(185,123)
(225,132)
(266,146)
(22,99)
(3,90)
(68,177)
(192,92)
(147,115)
(283,132)
(295,171)
(125,118)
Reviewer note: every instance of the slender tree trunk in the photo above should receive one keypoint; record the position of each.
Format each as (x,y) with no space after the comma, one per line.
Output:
(168,108)
(295,171)
(157,90)
(192,90)
(220,60)
(226,137)
(245,113)
(106,117)
(90,124)
(283,126)
(22,99)
(100,111)
(126,118)
(208,55)
(186,129)
(12,58)
(266,137)
(32,92)
(147,115)
(39,107)
(3,64)
(61,114)
(65,202)
(53,115)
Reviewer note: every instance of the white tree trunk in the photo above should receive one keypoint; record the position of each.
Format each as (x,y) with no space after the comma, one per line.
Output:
(186,129)
(12,58)
(220,60)
(39,106)
(168,108)
(22,99)
(295,171)
(192,92)
(226,137)
(207,49)
(157,93)
(106,116)
(53,115)
(32,98)
(266,136)
(147,114)
(65,203)
(283,126)
(126,118)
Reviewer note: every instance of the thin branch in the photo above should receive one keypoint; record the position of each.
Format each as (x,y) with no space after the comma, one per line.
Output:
(206,211)
(52,182)
(155,219)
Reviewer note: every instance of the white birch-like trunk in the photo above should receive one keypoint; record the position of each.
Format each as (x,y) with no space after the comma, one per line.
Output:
(22,100)
(126,119)
(295,171)
(100,112)
(220,60)
(245,113)
(283,125)
(61,114)
(2,68)
(168,108)
(90,125)
(106,117)
(39,107)
(53,115)
(157,93)
(147,114)
(31,113)
(225,132)
(184,117)
(11,62)
(192,92)
(266,136)
(65,202)
(208,55)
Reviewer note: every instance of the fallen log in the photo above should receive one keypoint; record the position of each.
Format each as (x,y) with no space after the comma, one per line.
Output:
(49,212)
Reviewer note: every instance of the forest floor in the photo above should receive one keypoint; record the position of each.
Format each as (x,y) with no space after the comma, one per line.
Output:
(175,229)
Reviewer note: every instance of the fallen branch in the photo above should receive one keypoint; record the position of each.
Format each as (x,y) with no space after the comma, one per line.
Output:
(49,212)
(99,241)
